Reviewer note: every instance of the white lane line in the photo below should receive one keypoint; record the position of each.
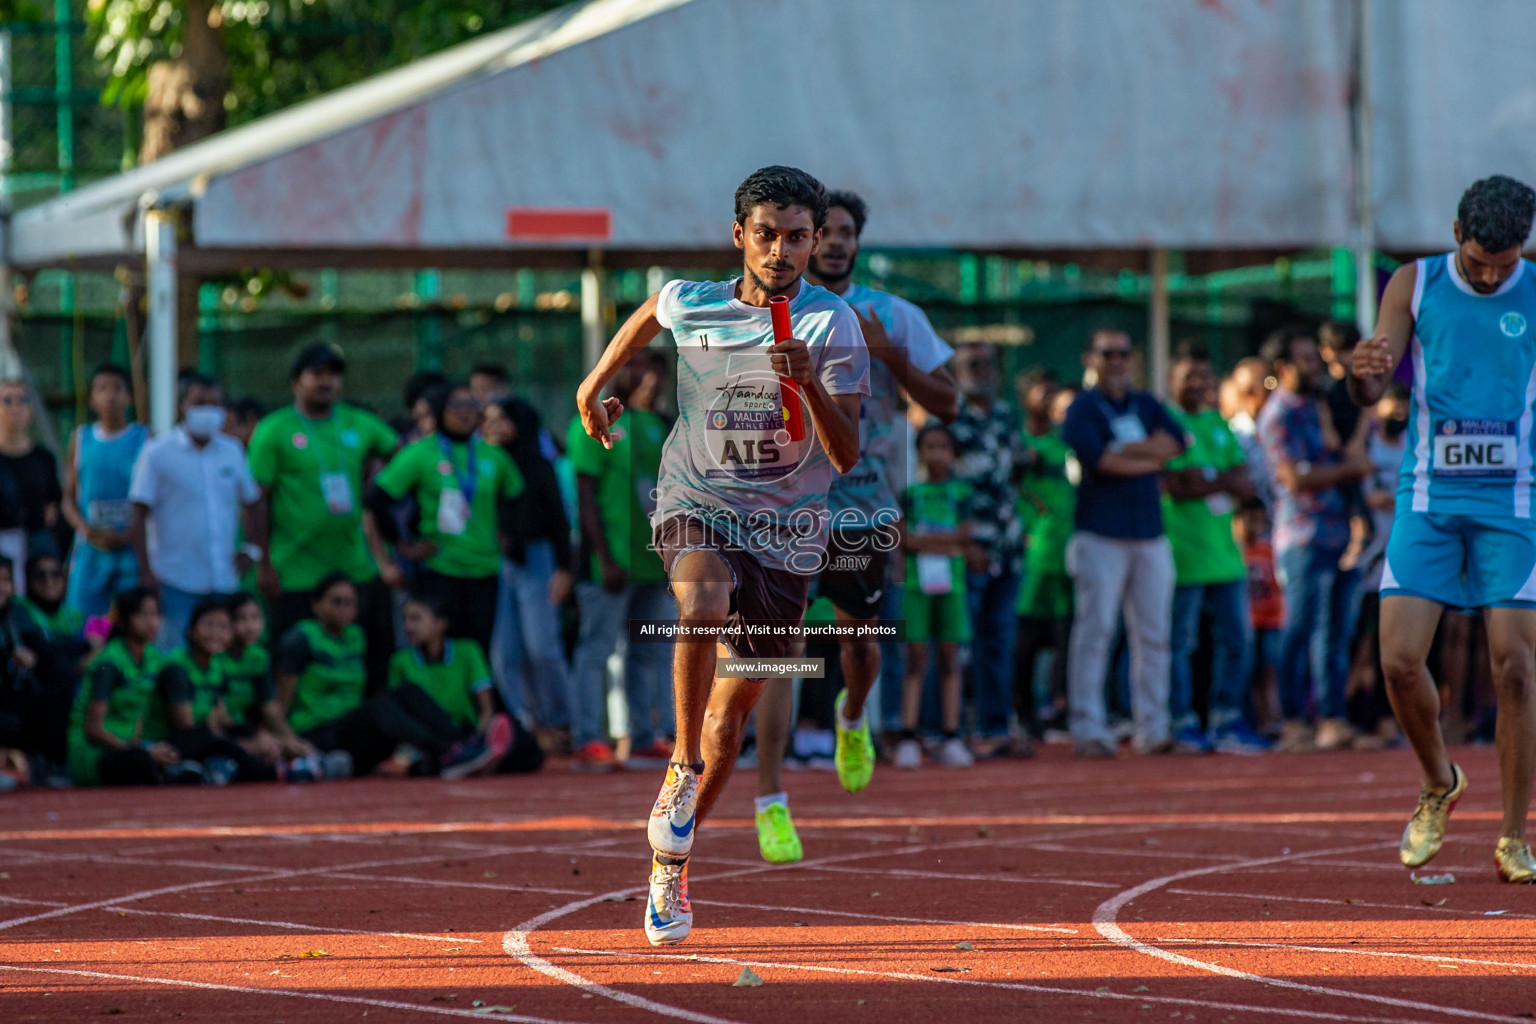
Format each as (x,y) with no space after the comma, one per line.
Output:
(31,903)
(1356,952)
(324,997)
(1335,903)
(515,944)
(1015,986)
(866,916)
(1104,920)
(270,876)
(288,924)
(447,883)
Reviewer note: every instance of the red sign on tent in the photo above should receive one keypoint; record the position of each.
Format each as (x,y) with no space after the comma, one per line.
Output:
(550,223)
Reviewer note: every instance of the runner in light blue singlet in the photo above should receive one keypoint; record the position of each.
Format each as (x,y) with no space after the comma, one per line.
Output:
(1463,533)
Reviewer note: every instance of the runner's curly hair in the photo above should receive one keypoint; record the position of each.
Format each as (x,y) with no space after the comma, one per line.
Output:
(781,187)
(1496,213)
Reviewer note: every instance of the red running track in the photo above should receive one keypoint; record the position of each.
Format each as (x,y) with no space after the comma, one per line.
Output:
(1211,889)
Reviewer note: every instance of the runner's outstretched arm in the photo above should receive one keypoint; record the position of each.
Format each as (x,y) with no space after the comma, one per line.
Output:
(597,414)
(1375,358)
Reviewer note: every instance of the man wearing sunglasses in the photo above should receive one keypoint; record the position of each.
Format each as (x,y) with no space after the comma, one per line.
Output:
(1118,557)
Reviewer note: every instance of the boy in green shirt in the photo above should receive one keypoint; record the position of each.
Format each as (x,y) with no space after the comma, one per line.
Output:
(1201,490)
(1047,498)
(462,487)
(190,687)
(934,602)
(453,674)
(312,461)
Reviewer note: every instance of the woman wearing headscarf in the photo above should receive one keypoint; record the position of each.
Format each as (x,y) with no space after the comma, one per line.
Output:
(535,574)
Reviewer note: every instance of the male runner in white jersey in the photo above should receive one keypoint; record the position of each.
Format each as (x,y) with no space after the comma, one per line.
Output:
(741,507)
(904,355)
(1463,534)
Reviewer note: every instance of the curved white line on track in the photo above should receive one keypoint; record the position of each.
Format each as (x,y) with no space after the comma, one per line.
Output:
(515,943)
(324,997)
(1104,920)
(1012,986)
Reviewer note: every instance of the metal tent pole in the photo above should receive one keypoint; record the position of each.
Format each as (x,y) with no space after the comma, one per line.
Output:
(1365,214)
(1157,325)
(160,258)
(594,332)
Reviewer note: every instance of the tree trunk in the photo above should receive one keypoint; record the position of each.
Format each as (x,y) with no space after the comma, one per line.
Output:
(185,103)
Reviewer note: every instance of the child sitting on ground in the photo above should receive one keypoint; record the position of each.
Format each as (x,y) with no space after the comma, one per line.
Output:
(453,673)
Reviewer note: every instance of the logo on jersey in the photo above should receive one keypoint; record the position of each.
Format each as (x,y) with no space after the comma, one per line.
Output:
(719,420)
(1512,324)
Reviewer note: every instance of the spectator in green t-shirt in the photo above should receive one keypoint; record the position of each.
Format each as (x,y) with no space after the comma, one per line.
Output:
(462,487)
(113,741)
(1202,488)
(622,578)
(934,603)
(321,676)
(452,673)
(1047,497)
(313,461)
(248,711)
(190,686)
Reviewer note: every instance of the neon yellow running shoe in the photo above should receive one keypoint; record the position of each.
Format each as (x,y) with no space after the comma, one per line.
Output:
(1515,861)
(776,835)
(1426,829)
(855,753)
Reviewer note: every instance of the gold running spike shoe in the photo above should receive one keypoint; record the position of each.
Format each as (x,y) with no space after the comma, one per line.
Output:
(1514,860)
(1426,829)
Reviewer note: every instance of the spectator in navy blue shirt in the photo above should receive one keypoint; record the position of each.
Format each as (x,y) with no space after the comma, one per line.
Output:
(1118,558)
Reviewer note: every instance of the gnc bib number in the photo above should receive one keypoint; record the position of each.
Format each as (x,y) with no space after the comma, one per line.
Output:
(1487,449)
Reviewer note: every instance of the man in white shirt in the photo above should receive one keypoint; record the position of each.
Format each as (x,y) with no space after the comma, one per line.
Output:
(188,492)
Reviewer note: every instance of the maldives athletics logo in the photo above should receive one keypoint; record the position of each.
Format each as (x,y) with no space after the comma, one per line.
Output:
(1512,324)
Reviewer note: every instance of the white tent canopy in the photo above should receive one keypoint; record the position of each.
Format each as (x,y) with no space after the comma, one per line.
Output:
(1005,124)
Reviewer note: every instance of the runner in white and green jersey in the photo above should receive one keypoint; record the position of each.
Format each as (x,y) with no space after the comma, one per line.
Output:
(741,516)
(905,354)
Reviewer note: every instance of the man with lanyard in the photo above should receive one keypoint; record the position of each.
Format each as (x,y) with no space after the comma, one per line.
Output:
(906,356)
(312,461)
(1118,556)
(1462,536)
(741,508)
(461,487)
(96,472)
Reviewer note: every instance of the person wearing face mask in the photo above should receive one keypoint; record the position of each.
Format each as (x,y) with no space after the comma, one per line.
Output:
(189,491)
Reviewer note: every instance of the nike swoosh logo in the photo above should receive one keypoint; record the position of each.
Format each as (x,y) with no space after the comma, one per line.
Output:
(656,921)
(681,832)
(877,595)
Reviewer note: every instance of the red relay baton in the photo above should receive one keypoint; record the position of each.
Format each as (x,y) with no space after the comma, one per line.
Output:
(789,391)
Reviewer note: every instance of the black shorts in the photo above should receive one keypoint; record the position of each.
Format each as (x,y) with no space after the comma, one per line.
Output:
(854,576)
(759,595)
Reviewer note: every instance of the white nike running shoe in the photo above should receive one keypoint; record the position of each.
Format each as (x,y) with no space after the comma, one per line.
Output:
(671,826)
(668,914)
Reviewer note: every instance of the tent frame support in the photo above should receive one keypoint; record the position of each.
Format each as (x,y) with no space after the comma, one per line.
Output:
(160,265)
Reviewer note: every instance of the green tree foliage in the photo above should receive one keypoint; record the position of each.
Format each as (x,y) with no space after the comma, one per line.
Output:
(283,51)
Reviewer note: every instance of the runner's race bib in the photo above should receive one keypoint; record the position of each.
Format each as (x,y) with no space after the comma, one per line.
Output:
(1479,449)
(336,488)
(452,512)
(745,430)
(108,514)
